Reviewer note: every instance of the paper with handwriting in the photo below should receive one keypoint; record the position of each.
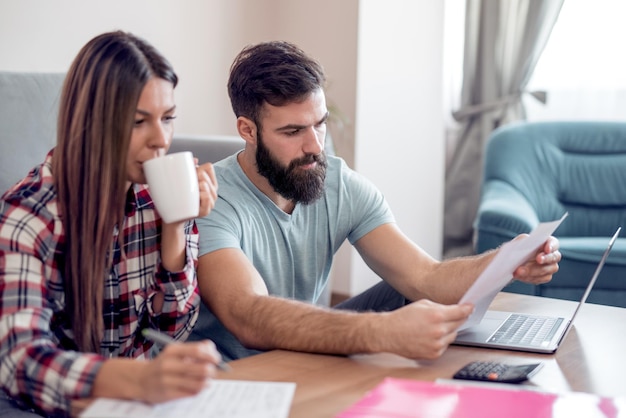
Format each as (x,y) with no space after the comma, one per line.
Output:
(223,398)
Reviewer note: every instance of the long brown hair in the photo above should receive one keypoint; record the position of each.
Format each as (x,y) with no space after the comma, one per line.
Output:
(96,116)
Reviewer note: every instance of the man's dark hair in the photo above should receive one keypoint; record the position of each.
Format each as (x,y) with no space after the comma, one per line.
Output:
(275,72)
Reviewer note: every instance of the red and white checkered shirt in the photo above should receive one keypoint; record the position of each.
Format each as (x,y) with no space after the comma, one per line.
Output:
(39,364)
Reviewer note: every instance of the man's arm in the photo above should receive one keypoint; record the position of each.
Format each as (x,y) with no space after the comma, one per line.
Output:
(235,292)
(413,272)
(233,289)
(416,275)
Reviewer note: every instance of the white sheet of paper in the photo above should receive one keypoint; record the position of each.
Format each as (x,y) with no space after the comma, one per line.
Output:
(223,398)
(500,271)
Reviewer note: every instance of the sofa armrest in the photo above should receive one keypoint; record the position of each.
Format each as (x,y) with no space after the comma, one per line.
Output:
(207,148)
(503,214)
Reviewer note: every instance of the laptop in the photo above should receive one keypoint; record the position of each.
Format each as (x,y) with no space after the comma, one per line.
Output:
(526,332)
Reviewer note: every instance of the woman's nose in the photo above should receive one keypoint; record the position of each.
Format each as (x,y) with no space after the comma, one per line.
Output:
(160,138)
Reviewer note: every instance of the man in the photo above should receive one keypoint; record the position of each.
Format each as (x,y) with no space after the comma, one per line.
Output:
(285,208)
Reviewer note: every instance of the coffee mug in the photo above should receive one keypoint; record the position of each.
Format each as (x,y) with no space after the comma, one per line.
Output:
(173,185)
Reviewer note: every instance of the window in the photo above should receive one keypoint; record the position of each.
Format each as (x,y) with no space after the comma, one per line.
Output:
(583,66)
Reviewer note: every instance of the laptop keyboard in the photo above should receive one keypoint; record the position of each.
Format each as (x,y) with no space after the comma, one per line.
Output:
(526,330)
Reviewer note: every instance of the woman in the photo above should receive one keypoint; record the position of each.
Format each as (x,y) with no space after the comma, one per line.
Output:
(85,261)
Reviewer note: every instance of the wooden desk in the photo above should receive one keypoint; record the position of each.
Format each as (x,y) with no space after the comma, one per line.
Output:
(591,359)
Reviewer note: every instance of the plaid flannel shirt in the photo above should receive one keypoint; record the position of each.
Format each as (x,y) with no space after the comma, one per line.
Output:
(39,364)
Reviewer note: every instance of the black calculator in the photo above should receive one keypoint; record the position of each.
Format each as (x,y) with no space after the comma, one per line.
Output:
(491,371)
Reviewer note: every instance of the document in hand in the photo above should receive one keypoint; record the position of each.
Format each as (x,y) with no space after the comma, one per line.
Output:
(418,399)
(500,271)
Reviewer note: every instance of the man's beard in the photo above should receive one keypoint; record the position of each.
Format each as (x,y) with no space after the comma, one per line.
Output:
(292,182)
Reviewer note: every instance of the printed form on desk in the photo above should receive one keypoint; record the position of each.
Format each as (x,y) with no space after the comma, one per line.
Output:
(223,398)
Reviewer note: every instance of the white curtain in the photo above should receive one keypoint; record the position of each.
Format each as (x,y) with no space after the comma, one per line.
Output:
(503,41)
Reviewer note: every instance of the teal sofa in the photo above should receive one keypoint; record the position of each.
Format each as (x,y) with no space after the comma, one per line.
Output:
(537,171)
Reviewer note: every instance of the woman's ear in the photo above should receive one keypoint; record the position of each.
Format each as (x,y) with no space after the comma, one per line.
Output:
(247,130)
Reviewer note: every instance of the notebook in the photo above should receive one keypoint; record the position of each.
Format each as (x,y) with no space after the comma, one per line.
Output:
(526,332)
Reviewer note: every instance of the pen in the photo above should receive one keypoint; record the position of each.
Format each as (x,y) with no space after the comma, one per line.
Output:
(164,339)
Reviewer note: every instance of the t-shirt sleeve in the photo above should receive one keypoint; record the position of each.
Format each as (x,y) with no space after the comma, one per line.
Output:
(219,229)
(368,207)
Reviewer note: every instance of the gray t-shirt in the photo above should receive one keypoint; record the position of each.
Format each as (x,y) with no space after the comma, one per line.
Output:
(292,252)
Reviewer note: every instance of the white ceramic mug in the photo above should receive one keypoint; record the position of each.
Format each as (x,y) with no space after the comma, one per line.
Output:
(173,185)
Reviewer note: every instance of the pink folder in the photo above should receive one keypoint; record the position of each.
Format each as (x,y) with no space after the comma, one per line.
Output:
(400,398)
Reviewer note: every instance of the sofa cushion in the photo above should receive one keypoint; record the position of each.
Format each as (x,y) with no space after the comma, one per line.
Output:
(28,113)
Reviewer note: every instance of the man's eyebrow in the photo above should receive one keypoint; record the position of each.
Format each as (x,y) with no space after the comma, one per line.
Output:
(290,127)
(293,126)
(146,113)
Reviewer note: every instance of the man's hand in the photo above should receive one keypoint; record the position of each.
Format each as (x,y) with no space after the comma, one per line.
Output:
(542,266)
(424,329)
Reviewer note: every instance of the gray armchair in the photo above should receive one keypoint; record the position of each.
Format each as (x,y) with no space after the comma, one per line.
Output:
(207,149)
(28,112)
(535,172)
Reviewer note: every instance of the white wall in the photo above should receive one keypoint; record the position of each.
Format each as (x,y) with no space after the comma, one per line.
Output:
(399,45)
(199,37)
(40,35)
(399,117)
